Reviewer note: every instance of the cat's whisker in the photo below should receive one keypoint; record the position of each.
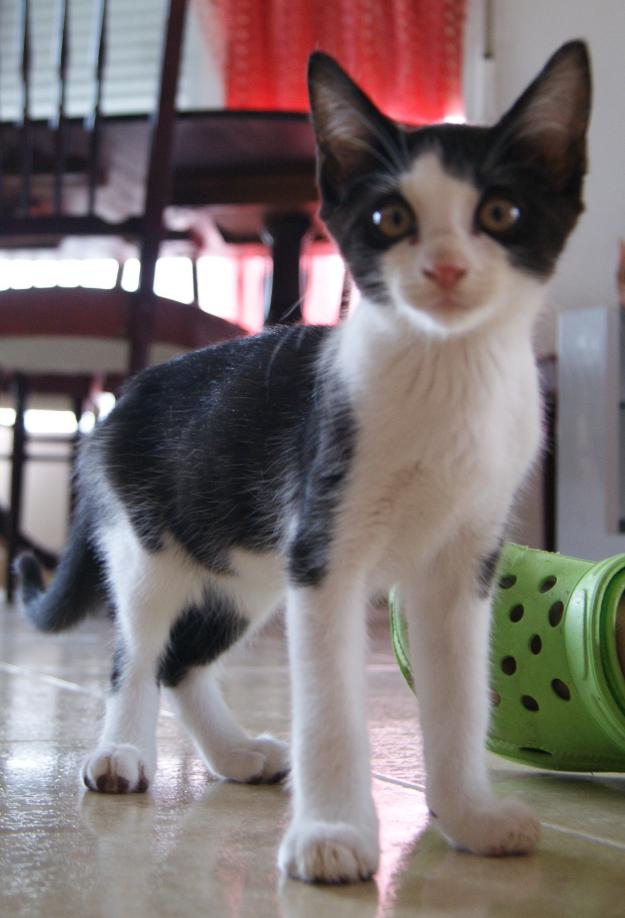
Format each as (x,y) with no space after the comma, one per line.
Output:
(294,306)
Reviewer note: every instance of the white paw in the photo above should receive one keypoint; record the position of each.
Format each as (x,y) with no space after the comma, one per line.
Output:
(328,852)
(494,829)
(116,769)
(264,760)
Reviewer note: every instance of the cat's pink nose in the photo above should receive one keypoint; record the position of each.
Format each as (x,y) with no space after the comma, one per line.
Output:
(445,274)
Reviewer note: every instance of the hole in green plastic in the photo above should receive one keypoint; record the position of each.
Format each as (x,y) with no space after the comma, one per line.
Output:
(561,689)
(508,665)
(555,613)
(529,703)
(548,584)
(507,581)
(534,750)
(536,644)
(516,613)
(620,633)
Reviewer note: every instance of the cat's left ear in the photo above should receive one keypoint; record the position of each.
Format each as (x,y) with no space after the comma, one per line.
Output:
(353,136)
(547,125)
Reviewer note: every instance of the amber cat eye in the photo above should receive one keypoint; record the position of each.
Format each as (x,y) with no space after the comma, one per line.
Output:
(497,215)
(393,219)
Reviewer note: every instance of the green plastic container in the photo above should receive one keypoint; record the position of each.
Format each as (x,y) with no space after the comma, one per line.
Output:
(558,692)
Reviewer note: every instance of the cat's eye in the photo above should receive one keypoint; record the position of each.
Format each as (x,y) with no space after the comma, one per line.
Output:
(393,220)
(498,215)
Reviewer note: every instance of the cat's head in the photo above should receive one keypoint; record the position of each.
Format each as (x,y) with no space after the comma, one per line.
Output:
(450,223)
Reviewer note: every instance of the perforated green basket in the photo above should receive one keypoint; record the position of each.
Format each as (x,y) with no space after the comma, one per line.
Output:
(558,692)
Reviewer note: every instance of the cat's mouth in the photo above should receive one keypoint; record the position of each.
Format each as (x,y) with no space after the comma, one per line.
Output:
(459,307)
(448,301)
(445,305)
(449,310)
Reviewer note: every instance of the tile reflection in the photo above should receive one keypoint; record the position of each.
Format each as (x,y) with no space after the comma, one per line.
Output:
(564,878)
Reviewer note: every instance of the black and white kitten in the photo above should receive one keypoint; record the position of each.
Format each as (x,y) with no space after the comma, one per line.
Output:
(316,467)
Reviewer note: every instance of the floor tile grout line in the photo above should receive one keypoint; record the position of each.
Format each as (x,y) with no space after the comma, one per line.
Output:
(585,836)
(14,670)
(576,833)
(51,680)
(398,782)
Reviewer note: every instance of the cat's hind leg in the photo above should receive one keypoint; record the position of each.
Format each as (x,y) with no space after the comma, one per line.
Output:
(227,749)
(196,641)
(148,589)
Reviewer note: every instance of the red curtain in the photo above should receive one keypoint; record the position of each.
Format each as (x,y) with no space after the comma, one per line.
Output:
(407,54)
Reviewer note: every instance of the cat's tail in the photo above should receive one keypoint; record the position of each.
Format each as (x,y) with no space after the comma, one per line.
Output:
(76,589)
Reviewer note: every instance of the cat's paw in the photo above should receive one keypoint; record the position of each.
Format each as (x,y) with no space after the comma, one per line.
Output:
(329,852)
(493,829)
(116,769)
(277,762)
(264,760)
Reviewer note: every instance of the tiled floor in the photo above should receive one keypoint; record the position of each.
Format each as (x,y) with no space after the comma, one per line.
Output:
(196,846)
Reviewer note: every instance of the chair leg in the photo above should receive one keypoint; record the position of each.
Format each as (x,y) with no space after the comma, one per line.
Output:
(196,280)
(18,457)
(285,233)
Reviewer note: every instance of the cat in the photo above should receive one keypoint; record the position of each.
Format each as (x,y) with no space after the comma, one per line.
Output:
(316,467)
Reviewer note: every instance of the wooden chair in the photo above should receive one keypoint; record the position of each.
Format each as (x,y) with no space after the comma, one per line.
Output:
(254,172)
(80,346)
(61,341)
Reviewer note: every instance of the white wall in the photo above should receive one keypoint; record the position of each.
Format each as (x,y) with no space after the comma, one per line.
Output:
(526,33)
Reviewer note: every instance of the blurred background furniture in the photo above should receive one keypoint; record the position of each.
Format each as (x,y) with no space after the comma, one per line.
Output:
(253,174)
(230,178)
(591,433)
(66,342)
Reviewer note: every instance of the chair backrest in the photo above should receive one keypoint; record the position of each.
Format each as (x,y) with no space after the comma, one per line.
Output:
(39,159)
(60,147)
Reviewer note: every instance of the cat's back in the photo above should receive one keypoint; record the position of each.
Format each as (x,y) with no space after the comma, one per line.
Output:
(246,381)
(205,442)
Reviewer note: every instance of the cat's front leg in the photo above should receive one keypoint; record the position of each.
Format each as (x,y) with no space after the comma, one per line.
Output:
(448,617)
(333,836)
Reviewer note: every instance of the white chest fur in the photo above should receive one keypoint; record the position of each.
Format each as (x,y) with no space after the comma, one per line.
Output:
(447,429)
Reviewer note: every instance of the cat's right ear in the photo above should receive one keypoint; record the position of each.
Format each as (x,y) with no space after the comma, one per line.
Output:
(353,136)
